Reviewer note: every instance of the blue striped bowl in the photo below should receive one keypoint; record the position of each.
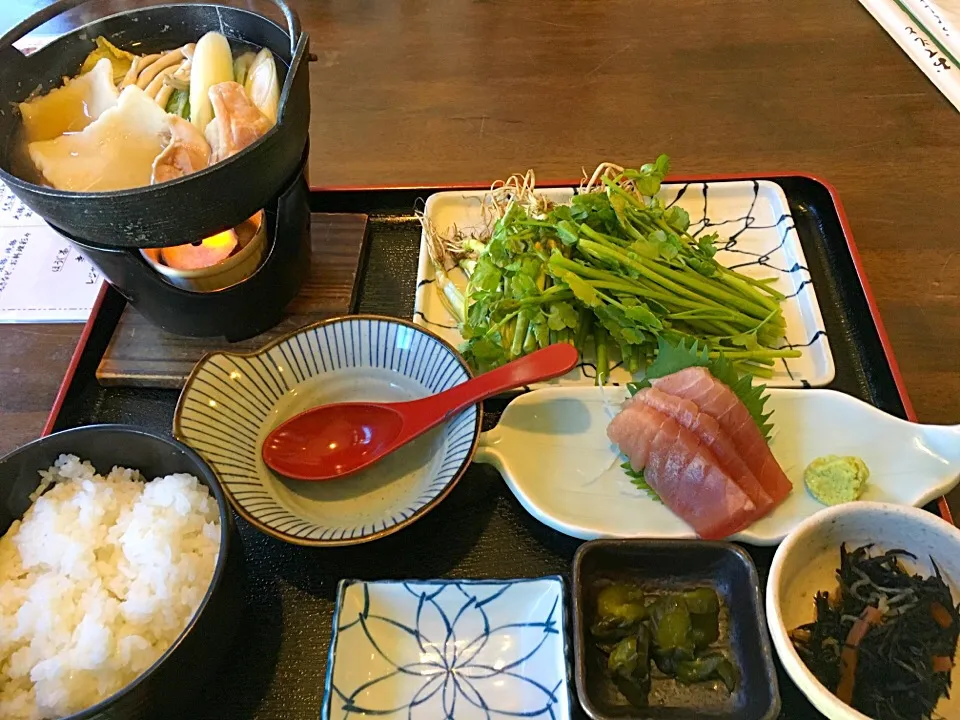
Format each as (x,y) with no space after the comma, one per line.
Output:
(232,401)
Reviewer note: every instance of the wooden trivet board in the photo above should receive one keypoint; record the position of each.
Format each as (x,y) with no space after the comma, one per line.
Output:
(142,355)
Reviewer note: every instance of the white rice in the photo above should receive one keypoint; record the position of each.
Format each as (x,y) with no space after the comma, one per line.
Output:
(96,582)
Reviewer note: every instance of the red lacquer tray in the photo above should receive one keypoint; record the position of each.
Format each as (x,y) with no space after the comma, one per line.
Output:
(480,530)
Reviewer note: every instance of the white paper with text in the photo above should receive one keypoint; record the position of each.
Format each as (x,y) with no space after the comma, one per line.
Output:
(42,276)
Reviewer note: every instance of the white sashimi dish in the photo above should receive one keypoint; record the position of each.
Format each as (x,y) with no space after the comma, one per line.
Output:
(551,447)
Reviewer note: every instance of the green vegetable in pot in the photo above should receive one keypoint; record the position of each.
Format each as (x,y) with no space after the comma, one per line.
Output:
(212,64)
(179,104)
(263,84)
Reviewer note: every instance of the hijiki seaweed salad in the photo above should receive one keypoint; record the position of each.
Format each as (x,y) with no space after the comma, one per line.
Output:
(885,643)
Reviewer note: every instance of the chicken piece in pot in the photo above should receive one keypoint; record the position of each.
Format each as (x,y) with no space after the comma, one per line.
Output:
(237,121)
(186,152)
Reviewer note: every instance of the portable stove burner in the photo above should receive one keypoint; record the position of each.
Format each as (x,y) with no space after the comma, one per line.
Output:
(236,299)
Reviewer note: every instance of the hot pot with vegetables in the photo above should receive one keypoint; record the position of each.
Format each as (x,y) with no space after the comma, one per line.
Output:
(165,142)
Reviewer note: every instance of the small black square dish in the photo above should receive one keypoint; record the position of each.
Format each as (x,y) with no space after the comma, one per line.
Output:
(633,597)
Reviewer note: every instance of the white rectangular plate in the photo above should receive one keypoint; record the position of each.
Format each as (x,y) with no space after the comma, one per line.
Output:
(757,236)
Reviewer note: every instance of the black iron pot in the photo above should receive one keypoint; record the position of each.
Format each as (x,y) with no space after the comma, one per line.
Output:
(188,208)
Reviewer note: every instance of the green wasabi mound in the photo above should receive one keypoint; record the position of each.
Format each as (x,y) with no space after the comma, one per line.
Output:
(835,479)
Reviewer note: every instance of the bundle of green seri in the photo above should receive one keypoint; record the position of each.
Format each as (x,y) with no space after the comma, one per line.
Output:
(612,273)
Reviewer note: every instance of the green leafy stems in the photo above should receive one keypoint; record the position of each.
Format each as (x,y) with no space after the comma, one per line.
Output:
(614,273)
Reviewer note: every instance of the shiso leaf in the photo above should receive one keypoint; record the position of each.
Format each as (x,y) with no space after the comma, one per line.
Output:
(674,358)
(640,482)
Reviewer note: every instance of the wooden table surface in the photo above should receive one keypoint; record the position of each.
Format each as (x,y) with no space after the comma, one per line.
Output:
(410,92)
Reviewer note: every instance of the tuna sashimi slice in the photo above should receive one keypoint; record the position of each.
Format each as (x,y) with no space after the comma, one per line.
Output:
(683,471)
(706,427)
(714,398)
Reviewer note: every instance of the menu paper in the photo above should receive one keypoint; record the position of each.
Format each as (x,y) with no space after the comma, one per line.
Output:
(42,276)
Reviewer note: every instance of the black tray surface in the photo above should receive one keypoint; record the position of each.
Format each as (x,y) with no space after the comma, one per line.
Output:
(480,530)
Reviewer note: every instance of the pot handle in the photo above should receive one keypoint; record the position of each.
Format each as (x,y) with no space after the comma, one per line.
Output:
(61,6)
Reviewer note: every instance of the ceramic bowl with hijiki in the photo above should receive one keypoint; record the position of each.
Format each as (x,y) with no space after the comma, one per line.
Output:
(465,649)
(232,401)
(808,562)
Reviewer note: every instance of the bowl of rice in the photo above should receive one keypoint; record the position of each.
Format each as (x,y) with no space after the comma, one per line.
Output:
(121,578)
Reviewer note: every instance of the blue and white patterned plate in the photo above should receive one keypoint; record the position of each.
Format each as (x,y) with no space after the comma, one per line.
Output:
(232,401)
(758,237)
(434,649)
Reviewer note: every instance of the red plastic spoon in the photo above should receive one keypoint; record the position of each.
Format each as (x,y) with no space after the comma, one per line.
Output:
(330,441)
